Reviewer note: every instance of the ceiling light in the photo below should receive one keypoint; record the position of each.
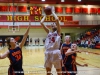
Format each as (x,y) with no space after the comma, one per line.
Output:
(79,0)
(43,0)
(62,0)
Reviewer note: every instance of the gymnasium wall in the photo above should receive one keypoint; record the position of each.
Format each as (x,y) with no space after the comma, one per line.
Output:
(86,19)
(41,34)
(76,17)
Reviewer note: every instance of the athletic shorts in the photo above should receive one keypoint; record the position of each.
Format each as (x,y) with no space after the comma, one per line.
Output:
(53,57)
(12,71)
(72,69)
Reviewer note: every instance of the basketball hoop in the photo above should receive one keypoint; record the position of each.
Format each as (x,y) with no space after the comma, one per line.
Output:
(13,31)
(13,28)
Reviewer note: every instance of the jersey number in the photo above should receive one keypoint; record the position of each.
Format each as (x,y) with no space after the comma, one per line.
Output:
(18,57)
(53,39)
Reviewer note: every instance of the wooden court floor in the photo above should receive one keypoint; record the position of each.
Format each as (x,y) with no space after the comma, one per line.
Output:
(33,61)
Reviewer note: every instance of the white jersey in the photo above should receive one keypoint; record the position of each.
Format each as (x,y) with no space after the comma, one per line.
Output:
(52,41)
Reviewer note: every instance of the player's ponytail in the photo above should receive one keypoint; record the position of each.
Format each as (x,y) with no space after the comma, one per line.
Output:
(8,42)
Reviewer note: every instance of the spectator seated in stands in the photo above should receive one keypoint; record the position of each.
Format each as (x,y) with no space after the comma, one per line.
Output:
(90,39)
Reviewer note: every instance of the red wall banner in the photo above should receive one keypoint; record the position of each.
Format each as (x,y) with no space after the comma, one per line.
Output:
(85,10)
(25,18)
(98,10)
(69,10)
(13,8)
(3,8)
(77,10)
(71,22)
(59,10)
(22,9)
(93,10)
(37,10)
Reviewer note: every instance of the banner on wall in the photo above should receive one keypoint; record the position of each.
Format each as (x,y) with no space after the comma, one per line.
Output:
(3,8)
(59,10)
(69,10)
(98,10)
(93,10)
(85,10)
(77,10)
(26,18)
(22,9)
(12,8)
(35,10)
(71,22)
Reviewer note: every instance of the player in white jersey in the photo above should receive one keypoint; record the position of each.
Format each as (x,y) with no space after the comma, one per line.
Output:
(52,44)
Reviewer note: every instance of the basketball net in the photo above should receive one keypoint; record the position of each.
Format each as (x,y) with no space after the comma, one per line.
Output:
(13,29)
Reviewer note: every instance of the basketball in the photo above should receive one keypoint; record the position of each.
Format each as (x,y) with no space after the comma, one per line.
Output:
(47,10)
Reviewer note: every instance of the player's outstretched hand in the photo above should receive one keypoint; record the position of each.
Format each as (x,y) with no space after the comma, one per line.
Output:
(85,65)
(78,51)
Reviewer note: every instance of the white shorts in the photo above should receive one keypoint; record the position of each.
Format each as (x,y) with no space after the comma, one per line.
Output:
(53,57)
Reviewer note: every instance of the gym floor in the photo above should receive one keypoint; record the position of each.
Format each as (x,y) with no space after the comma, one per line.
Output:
(33,61)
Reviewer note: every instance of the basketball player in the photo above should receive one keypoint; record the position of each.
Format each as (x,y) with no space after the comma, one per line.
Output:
(70,60)
(38,40)
(31,41)
(35,42)
(27,42)
(1,42)
(5,42)
(65,46)
(52,44)
(43,41)
(14,53)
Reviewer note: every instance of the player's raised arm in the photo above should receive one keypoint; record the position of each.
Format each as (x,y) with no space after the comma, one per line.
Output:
(83,65)
(25,36)
(42,23)
(69,52)
(57,21)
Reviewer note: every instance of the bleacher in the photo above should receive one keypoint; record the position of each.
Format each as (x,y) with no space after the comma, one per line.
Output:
(90,38)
